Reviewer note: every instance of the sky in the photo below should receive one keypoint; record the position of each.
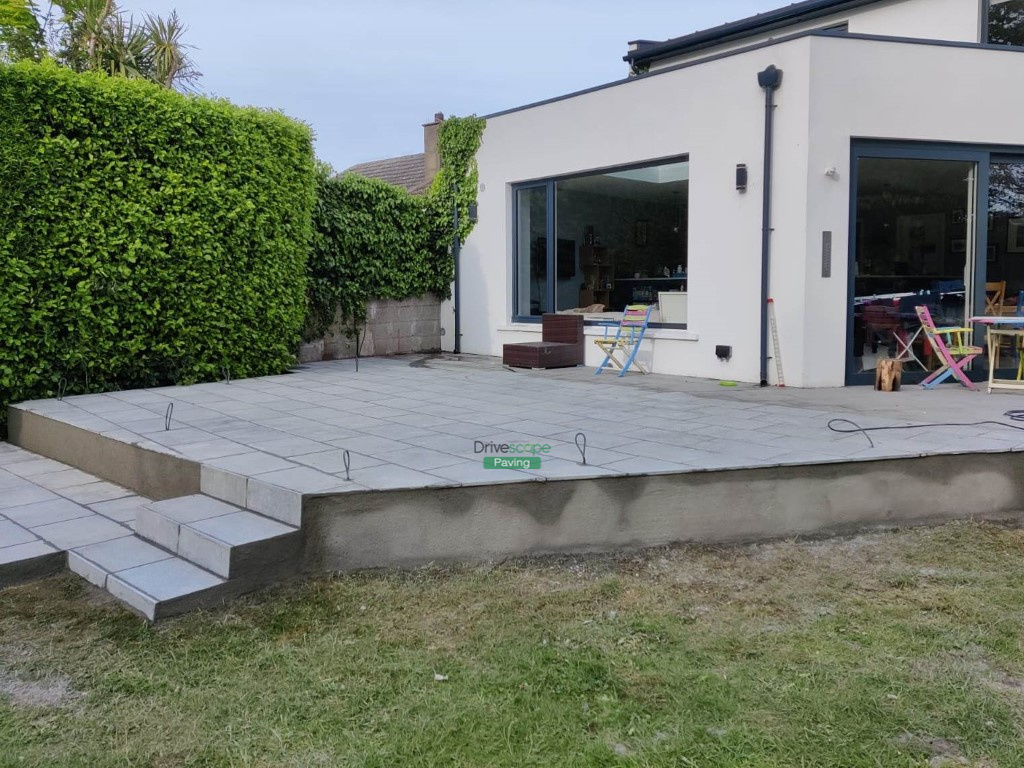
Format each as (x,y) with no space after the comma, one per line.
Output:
(366,74)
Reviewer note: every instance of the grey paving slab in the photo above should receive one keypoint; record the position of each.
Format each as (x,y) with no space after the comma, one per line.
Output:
(333,461)
(12,534)
(90,493)
(121,510)
(188,509)
(474,473)
(289,447)
(168,579)
(64,478)
(390,477)
(241,528)
(81,531)
(37,466)
(422,458)
(212,449)
(251,463)
(7,481)
(22,495)
(300,479)
(27,551)
(46,512)
(224,485)
(16,456)
(371,445)
(122,554)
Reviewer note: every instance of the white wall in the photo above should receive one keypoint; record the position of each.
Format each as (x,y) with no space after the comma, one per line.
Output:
(714,113)
(834,90)
(881,90)
(954,20)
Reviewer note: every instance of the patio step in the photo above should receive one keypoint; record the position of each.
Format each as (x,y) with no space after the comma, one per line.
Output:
(219,537)
(149,579)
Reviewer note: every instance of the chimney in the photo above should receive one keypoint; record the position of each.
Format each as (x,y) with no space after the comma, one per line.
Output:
(431,152)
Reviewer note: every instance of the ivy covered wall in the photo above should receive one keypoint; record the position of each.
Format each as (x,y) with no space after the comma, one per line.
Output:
(373,240)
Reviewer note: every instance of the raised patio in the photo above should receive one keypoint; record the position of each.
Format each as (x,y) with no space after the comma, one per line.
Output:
(250,484)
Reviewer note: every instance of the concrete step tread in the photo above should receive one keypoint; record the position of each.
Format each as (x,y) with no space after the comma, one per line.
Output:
(240,528)
(189,509)
(142,575)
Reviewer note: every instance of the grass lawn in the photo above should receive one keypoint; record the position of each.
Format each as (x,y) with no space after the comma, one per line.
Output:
(895,649)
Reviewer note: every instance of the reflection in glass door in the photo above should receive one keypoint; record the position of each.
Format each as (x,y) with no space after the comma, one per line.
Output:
(1005,254)
(914,246)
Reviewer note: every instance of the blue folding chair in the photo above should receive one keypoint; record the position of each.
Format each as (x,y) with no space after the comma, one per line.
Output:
(621,349)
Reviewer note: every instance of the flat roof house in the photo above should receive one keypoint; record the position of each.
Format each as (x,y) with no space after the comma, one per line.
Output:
(894,132)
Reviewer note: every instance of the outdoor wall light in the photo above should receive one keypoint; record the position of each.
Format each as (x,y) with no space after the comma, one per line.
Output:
(723,352)
(741,178)
(472,212)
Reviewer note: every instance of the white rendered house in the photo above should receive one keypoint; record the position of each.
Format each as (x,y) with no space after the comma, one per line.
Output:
(895,135)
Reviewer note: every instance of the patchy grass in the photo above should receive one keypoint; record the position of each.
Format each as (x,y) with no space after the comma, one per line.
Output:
(899,649)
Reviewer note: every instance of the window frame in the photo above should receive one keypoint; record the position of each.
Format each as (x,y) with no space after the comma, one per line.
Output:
(550,183)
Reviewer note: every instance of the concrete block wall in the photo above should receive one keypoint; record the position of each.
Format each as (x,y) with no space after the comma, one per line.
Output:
(391,328)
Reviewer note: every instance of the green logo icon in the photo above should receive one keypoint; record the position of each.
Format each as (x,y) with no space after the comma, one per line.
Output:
(512,462)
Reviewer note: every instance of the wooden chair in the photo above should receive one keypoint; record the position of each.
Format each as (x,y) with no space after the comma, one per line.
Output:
(995,296)
(952,347)
(621,349)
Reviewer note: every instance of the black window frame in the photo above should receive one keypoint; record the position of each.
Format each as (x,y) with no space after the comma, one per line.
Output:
(550,183)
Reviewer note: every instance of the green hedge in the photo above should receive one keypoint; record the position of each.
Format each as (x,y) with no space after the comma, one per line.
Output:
(371,240)
(146,237)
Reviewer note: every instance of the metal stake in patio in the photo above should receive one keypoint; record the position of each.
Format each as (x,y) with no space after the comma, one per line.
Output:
(581,446)
(167,417)
(347,460)
(776,348)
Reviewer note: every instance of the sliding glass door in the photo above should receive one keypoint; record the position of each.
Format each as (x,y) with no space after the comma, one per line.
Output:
(914,244)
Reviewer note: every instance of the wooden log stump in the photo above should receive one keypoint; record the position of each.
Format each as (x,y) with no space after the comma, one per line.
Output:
(889,375)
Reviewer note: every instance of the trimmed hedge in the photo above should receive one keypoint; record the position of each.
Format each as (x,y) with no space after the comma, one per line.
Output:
(146,237)
(371,240)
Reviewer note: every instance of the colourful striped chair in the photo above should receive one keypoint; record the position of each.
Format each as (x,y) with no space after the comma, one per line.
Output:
(620,350)
(953,347)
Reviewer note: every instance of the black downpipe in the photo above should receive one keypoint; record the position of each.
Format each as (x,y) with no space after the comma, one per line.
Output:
(770,80)
(456,252)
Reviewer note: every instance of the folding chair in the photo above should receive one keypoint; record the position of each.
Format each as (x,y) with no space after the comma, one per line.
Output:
(950,344)
(995,296)
(626,342)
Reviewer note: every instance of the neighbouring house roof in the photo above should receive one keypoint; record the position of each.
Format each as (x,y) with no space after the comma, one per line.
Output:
(405,171)
(646,51)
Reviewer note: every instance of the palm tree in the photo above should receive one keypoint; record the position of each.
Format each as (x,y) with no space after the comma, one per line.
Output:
(97,35)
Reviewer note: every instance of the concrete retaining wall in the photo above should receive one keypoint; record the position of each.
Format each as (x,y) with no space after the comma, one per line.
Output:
(403,528)
(392,328)
(149,473)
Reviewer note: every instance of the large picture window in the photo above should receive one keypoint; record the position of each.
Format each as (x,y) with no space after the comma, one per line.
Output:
(594,243)
(1005,22)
